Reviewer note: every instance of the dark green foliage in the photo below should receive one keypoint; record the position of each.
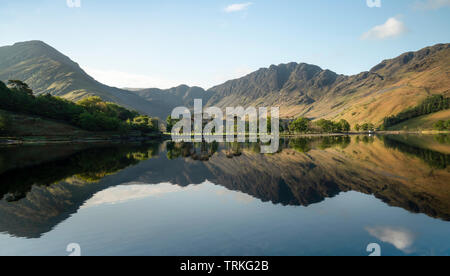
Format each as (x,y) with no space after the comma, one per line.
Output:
(365,139)
(304,125)
(91,165)
(94,104)
(300,125)
(442,125)
(305,144)
(5,123)
(91,114)
(331,141)
(325,125)
(301,144)
(145,123)
(344,125)
(333,127)
(19,86)
(442,138)
(367,127)
(430,105)
(171,123)
(433,158)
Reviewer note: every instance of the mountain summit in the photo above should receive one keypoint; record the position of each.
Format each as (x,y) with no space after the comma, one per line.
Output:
(308,90)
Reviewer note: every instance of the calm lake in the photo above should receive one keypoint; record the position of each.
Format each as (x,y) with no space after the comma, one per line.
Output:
(316,196)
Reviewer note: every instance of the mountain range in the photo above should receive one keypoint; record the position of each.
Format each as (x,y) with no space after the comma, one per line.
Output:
(299,89)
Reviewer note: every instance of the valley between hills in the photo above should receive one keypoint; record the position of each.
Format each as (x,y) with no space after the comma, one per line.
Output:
(299,89)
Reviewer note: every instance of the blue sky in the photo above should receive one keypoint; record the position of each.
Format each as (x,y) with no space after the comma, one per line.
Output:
(164,43)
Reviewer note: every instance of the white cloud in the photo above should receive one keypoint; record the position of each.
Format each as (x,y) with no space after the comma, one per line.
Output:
(238,7)
(392,28)
(401,238)
(432,4)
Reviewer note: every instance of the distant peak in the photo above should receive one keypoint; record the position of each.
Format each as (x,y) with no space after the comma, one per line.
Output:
(35,44)
(32,42)
(182,86)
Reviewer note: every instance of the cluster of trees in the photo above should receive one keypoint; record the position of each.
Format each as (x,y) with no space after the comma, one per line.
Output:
(301,125)
(170,123)
(333,127)
(304,125)
(430,105)
(91,114)
(144,123)
(442,125)
(365,127)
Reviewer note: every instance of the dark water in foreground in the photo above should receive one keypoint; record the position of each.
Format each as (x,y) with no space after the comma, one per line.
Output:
(327,196)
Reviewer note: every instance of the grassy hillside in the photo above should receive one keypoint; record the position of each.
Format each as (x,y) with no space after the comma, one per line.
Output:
(37,129)
(91,114)
(424,122)
(26,125)
(48,71)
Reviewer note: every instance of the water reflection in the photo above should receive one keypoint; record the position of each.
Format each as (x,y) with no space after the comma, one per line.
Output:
(43,186)
(89,165)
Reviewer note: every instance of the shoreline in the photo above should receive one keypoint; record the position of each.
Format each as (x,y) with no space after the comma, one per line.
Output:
(43,140)
(48,140)
(429,132)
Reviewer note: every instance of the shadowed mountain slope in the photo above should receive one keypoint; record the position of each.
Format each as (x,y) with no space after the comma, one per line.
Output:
(46,70)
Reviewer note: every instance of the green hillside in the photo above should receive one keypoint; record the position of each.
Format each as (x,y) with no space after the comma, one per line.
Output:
(46,70)
(21,125)
(421,123)
(89,114)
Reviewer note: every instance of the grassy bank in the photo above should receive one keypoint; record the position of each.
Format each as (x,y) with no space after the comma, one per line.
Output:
(27,129)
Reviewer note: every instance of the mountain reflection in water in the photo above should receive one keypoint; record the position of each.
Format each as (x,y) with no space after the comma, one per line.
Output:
(42,186)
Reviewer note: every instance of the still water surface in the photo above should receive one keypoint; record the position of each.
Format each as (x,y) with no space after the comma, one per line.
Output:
(316,196)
